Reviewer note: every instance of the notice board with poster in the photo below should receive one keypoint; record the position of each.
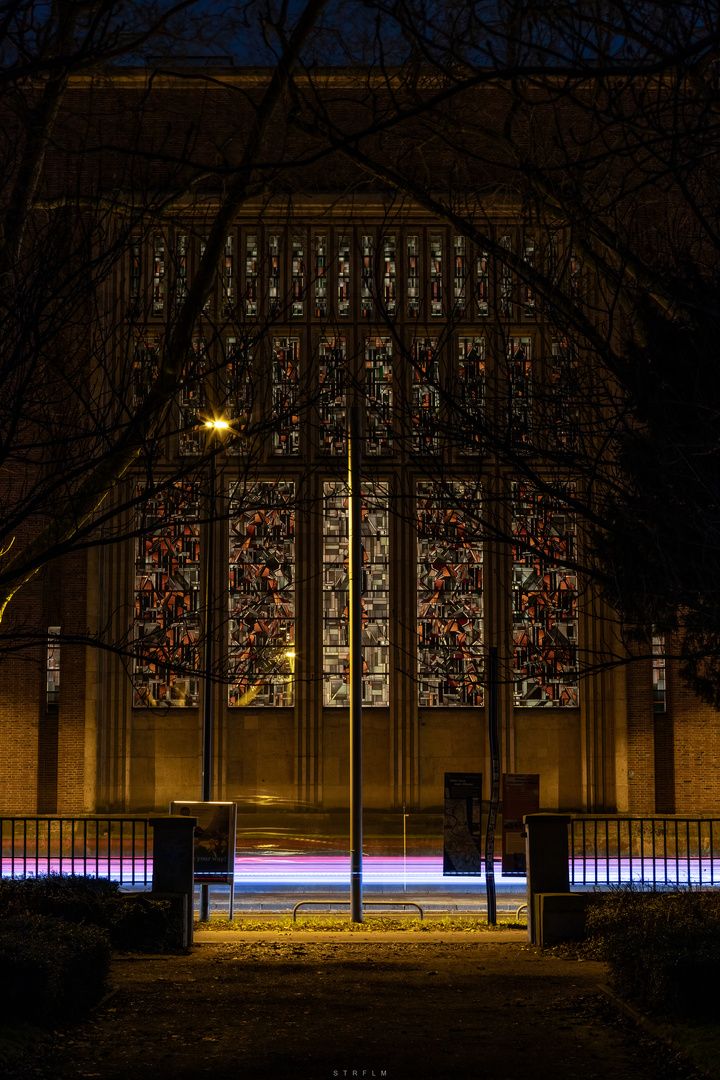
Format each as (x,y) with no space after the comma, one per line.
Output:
(214,839)
(462,839)
(521,795)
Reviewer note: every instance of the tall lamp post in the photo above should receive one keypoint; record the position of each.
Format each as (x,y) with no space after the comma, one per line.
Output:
(214,426)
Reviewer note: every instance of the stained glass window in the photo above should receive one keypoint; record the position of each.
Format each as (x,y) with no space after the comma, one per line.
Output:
(192,401)
(53,666)
(545,600)
(426,395)
(251,274)
(343,277)
(274,296)
(378,395)
(460,273)
(658,673)
(450,595)
(471,392)
(505,285)
(181,269)
(286,434)
(262,594)
(237,393)
(366,277)
(375,594)
(229,276)
(575,272)
(158,306)
(413,277)
(565,392)
(135,270)
(331,399)
(389,275)
(167,581)
(145,366)
(436,275)
(298,276)
(320,277)
(519,375)
(483,285)
(528,291)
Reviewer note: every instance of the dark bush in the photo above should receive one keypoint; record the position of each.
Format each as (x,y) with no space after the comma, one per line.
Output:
(50,969)
(663,949)
(138,922)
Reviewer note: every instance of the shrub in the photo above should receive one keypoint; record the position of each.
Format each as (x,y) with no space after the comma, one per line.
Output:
(50,969)
(139,922)
(663,949)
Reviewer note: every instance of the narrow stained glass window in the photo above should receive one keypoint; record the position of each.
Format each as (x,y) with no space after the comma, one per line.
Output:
(575,274)
(565,391)
(145,367)
(251,275)
(658,673)
(192,401)
(320,277)
(483,285)
(167,581)
(181,270)
(53,667)
(426,395)
(450,595)
(366,278)
(413,277)
(332,404)
(460,274)
(262,594)
(375,594)
(237,394)
(471,392)
(135,270)
(389,276)
(274,295)
(298,276)
(286,434)
(505,285)
(229,277)
(528,291)
(158,306)
(378,395)
(519,375)
(343,277)
(436,275)
(545,598)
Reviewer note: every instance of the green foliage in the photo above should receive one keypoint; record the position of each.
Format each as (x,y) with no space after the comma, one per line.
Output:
(137,922)
(663,948)
(50,969)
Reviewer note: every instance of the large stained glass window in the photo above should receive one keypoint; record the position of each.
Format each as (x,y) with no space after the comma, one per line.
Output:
(545,600)
(379,395)
(286,436)
(192,402)
(332,361)
(367,277)
(237,393)
(426,395)
(146,359)
(414,291)
(389,285)
(321,251)
(436,275)
(167,582)
(375,590)
(262,594)
(450,600)
(251,275)
(565,392)
(519,377)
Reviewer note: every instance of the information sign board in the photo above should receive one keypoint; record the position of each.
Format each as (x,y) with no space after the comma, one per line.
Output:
(521,795)
(214,838)
(462,839)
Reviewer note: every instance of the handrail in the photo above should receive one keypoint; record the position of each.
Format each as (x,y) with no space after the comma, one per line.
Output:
(380,903)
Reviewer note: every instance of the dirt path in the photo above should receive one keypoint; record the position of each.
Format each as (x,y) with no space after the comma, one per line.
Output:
(302,1009)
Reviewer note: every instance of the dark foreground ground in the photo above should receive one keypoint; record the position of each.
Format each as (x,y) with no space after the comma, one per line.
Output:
(404,1007)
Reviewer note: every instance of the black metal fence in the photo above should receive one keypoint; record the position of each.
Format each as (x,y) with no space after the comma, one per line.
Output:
(109,847)
(652,850)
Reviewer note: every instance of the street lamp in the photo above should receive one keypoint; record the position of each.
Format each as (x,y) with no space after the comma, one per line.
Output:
(213,426)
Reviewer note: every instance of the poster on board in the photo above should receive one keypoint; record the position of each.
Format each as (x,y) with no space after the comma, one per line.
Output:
(521,795)
(462,839)
(214,838)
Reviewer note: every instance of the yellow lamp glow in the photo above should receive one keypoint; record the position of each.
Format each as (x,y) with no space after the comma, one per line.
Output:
(219,425)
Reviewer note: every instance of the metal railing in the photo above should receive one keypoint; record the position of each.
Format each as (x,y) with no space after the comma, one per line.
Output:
(109,847)
(652,850)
